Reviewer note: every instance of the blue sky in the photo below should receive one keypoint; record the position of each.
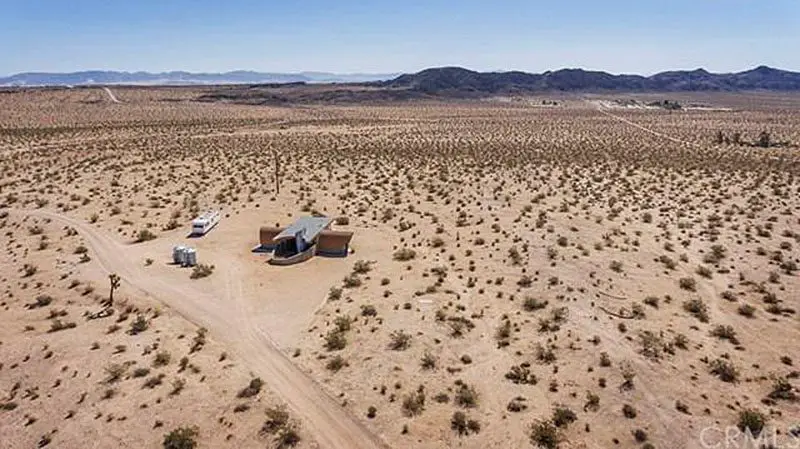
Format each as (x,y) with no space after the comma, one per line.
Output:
(619,36)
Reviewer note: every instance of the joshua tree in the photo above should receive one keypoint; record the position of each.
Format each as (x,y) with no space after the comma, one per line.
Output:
(114,279)
(764,140)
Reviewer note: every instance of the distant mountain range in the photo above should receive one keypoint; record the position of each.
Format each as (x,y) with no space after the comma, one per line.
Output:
(94,77)
(457,81)
(443,81)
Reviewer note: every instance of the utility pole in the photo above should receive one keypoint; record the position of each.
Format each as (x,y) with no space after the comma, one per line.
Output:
(277,173)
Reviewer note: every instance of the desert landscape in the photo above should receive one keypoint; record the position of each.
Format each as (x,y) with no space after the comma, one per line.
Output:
(564,269)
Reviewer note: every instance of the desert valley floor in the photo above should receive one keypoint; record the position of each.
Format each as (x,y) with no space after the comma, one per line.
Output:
(574,271)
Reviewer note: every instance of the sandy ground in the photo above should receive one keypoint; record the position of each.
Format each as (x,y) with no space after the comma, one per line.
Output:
(575,244)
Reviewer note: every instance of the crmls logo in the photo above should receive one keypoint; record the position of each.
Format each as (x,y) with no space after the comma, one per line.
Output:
(732,437)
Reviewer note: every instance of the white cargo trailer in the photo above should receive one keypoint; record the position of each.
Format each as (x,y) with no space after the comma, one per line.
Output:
(189,257)
(177,254)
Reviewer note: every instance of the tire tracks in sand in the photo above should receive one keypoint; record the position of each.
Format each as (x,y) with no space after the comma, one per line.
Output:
(330,425)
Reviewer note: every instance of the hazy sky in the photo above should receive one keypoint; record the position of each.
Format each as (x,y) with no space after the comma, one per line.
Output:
(630,36)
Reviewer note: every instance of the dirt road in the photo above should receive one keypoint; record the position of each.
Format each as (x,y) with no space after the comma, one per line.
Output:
(603,110)
(111,95)
(324,418)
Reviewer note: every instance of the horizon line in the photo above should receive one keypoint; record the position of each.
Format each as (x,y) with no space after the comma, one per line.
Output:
(396,72)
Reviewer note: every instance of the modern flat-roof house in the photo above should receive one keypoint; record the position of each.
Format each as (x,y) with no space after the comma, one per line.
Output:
(303,239)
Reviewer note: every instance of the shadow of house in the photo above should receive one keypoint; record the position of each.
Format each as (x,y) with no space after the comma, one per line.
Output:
(306,237)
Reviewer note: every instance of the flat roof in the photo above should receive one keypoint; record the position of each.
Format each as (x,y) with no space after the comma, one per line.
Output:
(308,227)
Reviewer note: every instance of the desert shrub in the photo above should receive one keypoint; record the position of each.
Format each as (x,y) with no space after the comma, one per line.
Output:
(336,363)
(372,412)
(592,402)
(399,340)
(782,389)
(171,225)
(462,425)
(252,389)
(752,421)
(628,411)
(525,281)
(41,301)
(288,436)
(404,254)
(544,434)
(177,386)
(521,374)
(653,345)
(517,405)
(503,333)
(368,310)
(651,301)
(145,235)
(362,267)
(414,403)
(140,372)
(428,361)
(563,417)
(201,270)
(162,358)
(343,323)
(531,304)
(725,370)
(545,354)
(687,284)
(335,340)
(746,310)
(334,294)
(697,308)
(277,418)
(153,381)
(616,266)
(681,341)
(8,406)
(114,372)
(139,325)
(58,325)
(181,438)
(725,332)
(466,396)
(352,281)
(29,270)
(704,271)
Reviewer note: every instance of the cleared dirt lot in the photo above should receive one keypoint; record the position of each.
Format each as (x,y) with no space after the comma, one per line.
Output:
(518,267)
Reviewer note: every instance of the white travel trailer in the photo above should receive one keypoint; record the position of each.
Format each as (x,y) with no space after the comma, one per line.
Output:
(204,223)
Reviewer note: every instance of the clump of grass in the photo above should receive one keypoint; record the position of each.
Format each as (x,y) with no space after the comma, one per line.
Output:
(201,270)
(544,434)
(687,284)
(725,370)
(252,388)
(399,340)
(751,420)
(404,254)
(145,235)
(462,425)
(697,308)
